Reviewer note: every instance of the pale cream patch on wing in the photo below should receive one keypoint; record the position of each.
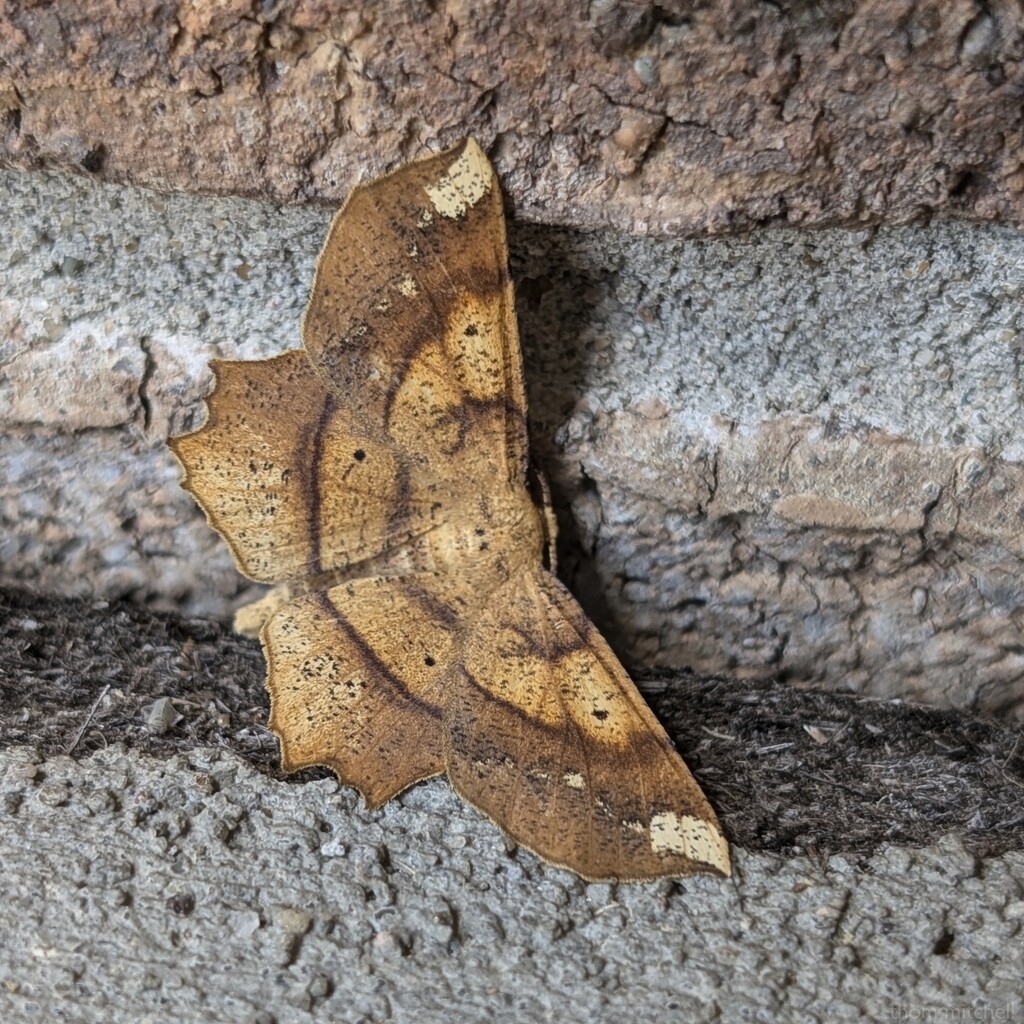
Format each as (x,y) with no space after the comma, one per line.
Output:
(474,344)
(574,780)
(408,287)
(422,413)
(505,762)
(691,837)
(466,182)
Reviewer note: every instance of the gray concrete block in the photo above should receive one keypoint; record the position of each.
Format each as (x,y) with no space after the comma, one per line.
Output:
(196,889)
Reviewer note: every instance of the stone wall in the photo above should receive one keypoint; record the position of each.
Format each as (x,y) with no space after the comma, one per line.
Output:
(789,453)
(780,453)
(653,118)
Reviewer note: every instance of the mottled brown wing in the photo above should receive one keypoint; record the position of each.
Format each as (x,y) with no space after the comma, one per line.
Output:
(407,401)
(547,735)
(293,481)
(356,676)
(411,319)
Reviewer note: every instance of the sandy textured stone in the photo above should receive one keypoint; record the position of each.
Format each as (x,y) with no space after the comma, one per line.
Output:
(682,118)
(195,889)
(787,454)
(843,558)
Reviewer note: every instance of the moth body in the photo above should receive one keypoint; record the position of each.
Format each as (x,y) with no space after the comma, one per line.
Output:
(507,531)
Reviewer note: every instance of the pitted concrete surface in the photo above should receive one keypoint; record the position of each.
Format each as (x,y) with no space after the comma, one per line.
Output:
(910,330)
(196,890)
(789,454)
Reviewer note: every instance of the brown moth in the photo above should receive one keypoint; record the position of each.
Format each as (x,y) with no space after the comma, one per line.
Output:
(380,476)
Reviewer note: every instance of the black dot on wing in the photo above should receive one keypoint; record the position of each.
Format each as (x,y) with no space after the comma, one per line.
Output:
(471,331)
(600,715)
(429,661)
(359,455)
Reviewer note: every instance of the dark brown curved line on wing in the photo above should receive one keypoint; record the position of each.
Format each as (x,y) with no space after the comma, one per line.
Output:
(555,650)
(421,339)
(313,497)
(588,628)
(400,499)
(375,663)
(513,709)
(462,419)
(434,605)
(582,744)
(641,753)
(466,411)
(475,279)
(664,741)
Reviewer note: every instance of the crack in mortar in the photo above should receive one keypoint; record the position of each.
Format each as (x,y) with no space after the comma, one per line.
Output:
(148,370)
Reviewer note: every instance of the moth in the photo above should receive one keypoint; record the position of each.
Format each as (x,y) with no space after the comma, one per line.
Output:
(379,476)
